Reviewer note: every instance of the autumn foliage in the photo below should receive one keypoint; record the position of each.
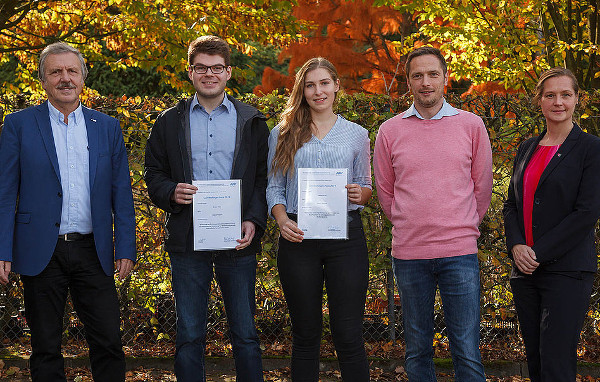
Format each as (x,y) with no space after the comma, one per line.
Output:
(147,34)
(492,44)
(511,41)
(356,36)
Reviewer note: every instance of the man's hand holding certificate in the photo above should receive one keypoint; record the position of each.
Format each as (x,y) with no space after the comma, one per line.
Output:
(323,203)
(217,210)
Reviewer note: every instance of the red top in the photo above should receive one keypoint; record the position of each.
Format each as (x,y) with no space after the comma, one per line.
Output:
(540,159)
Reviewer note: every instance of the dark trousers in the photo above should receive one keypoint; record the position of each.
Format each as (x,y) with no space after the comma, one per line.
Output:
(343,266)
(551,309)
(74,267)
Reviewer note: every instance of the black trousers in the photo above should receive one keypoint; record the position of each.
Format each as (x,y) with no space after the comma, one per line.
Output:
(343,266)
(551,309)
(74,267)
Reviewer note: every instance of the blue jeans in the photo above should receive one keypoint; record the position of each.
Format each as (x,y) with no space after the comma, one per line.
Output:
(458,281)
(192,275)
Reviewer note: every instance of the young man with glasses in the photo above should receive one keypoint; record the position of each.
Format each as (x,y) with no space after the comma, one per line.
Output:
(211,136)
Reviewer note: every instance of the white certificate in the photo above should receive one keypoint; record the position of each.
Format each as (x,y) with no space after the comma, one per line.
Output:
(323,203)
(217,207)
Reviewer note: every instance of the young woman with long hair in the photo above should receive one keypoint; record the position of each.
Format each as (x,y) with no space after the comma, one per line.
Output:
(311,135)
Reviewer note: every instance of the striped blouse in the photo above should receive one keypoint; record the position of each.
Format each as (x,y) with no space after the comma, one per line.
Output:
(346,145)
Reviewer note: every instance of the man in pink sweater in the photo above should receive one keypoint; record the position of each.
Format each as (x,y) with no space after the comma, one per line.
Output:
(433,171)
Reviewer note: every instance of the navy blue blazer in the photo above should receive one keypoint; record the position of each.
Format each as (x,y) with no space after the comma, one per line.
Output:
(566,204)
(31,192)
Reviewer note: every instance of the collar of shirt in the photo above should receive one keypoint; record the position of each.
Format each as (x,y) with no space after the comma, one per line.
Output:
(56,115)
(226,102)
(446,111)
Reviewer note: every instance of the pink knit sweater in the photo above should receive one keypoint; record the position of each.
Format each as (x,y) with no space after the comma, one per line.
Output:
(434,183)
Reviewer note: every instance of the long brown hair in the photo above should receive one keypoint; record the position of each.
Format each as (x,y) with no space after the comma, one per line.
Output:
(295,125)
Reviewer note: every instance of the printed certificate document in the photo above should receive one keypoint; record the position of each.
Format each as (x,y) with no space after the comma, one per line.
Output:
(217,207)
(323,203)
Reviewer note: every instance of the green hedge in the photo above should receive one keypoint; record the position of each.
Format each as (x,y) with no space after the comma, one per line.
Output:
(509,120)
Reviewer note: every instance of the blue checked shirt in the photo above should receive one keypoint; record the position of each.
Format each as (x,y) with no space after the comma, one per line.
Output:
(212,140)
(346,145)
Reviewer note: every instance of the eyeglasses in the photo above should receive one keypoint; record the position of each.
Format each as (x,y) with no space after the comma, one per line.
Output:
(202,69)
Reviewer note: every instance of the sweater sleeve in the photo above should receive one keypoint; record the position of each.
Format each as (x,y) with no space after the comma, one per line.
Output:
(384,173)
(481,169)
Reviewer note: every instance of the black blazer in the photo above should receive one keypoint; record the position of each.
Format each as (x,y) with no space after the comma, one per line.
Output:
(168,162)
(566,204)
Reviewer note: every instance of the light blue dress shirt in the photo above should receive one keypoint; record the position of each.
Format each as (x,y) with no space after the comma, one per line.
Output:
(446,111)
(346,145)
(71,143)
(212,140)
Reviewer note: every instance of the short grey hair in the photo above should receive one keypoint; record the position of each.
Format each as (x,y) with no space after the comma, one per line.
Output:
(59,48)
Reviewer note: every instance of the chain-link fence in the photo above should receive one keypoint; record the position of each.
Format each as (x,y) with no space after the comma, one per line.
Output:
(147,304)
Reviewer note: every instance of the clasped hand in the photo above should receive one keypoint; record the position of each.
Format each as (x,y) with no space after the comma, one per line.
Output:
(524,258)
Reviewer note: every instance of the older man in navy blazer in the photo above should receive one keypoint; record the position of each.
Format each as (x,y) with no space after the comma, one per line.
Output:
(64,185)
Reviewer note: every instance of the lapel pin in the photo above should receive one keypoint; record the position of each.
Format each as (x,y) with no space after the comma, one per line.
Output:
(93,120)
(558,155)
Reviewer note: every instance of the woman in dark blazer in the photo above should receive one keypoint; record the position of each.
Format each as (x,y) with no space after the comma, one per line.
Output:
(552,208)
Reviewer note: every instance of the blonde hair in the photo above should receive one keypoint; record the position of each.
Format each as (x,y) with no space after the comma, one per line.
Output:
(295,125)
(551,73)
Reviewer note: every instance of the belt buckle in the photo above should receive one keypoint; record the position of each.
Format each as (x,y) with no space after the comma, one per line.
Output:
(65,237)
